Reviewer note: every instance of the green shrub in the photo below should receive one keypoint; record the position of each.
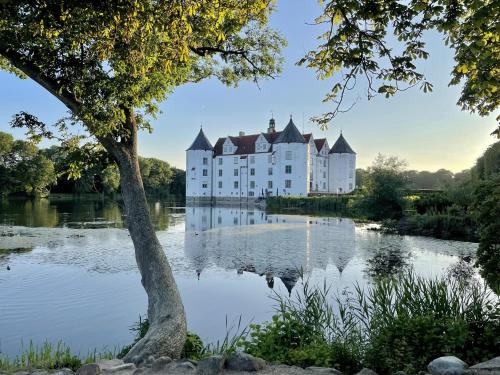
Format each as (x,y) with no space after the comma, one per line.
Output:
(400,323)
(193,347)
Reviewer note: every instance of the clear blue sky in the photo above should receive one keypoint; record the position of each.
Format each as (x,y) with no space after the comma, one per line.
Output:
(427,130)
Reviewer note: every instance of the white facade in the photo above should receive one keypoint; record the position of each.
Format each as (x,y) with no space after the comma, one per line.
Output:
(284,163)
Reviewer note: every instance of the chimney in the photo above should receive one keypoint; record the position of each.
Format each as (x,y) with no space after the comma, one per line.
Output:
(242,133)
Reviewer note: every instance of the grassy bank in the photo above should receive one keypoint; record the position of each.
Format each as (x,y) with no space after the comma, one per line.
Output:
(340,204)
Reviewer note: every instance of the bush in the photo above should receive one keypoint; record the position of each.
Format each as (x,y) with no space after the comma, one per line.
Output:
(401,323)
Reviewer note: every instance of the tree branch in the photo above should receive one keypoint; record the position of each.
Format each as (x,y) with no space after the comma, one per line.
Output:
(50,84)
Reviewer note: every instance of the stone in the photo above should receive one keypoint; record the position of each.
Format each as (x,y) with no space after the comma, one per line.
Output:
(109,363)
(366,371)
(138,371)
(120,368)
(184,365)
(160,363)
(399,373)
(90,369)
(448,365)
(62,371)
(213,365)
(491,367)
(323,370)
(240,361)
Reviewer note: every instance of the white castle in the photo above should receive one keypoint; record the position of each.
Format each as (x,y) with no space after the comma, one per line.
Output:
(275,163)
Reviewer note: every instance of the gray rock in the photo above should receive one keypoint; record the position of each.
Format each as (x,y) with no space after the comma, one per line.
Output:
(109,363)
(19,373)
(181,367)
(491,367)
(62,371)
(160,363)
(124,367)
(366,371)
(244,362)
(399,373)
(213,365)
(448,365)
(138,371)
(90,369)
(323,370)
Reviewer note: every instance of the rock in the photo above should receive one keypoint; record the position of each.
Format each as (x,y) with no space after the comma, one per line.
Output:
(105,364)
(120,368)
(323,370)
(244,362)
(213,365)
(399,373)
(138,371)
(160,363)
(366,371)
(62,371)
(184,365)
(90,369)
(491,367)
(448,365)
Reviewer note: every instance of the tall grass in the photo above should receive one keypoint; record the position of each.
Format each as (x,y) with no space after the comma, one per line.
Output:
(400,323)
(48,356)
(337,203)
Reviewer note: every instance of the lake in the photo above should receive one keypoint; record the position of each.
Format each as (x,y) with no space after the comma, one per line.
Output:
(73,275)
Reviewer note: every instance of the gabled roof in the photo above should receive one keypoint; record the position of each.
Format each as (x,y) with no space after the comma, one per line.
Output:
(201,142)
(319,143)
(290,134)
(307,137)
(341,146)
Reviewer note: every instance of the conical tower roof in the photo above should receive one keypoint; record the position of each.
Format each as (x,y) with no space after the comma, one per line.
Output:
(290,134)
(341,146)
(201,142)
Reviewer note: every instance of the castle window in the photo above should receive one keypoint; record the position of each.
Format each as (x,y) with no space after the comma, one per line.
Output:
(324,163)
(220,172)
(288,169)
(236,172)
(235,160)
(324,174)
(251,194)
(236,184)
(350,186)
(204,185)
(324,185)
(220,184)
(205,161)
(288,155)
(252,159)
(269,171)
(252,184)
(269,184)
(269,159)
(350,173)
(288,184)
(351,163)
(219,220)
(205,172)
(220,161)
(252,171)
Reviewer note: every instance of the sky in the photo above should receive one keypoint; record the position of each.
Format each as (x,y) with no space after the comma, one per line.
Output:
(429,131)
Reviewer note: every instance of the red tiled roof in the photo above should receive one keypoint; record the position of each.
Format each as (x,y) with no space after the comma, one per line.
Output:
(245,144)
(307,137)
(319,143)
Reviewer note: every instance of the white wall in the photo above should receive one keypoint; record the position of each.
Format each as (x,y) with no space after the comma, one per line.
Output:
(198,185)
(300,169)
(342,173)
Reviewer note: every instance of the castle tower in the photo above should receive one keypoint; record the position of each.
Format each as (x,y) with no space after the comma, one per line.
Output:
(292,167)
(199,159)
(342,167)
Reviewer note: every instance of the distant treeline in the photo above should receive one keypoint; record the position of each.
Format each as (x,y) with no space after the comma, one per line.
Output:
(27,170)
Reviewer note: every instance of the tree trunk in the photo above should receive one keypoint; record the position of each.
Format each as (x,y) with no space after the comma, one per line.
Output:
(167,330)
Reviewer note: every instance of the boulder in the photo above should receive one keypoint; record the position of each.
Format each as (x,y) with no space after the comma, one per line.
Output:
(90,369)
(491,367)
(182,366)
(448,365)
(244,362)
(123,368)
(160,363)
(62,371)
(213,365)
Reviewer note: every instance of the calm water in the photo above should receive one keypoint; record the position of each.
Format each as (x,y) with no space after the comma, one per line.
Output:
(73,275)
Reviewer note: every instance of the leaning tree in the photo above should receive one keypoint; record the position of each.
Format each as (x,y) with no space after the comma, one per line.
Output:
(379,42)
(110,63)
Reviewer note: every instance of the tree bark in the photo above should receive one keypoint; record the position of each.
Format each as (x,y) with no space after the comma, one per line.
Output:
(167,320)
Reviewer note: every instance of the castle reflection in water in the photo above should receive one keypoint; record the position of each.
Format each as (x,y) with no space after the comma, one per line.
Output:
(270,245)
